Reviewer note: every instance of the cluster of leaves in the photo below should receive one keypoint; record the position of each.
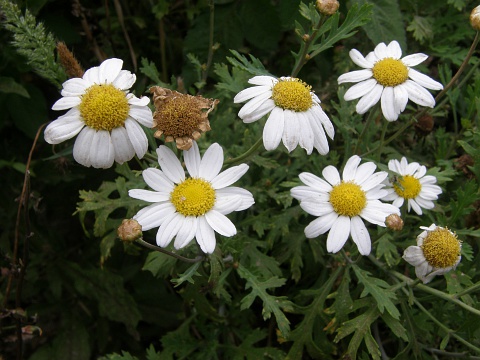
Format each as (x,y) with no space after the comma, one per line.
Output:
(268,292)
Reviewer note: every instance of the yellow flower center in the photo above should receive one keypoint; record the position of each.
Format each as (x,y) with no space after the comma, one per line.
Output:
(390,72)
(348,199)
(441,248)
(407,187)
(179,116)
(104,107)
(193,197)
(292,94)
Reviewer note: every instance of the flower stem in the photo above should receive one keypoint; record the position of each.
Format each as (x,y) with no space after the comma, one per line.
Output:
(159,249)
(303,56)
(245,155)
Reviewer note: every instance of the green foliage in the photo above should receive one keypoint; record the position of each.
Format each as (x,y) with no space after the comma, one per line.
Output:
(267,292)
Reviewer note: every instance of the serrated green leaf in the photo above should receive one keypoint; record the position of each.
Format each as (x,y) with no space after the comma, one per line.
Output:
(253,66)
(271,304)
(397,328)
(187,275)
(149,69)
(379,290)
(421,27)
(159,264)
(124,356)
(387,250)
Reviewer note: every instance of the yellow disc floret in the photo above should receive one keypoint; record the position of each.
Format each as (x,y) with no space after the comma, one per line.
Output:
(193,197)
(390,72)
(104,107)
(407,187)
(348,199)
(292,94)
(441,248)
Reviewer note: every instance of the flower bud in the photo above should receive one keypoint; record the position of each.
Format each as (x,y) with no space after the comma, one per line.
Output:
(130,230)
(475,18)
(394,222)
(327,7)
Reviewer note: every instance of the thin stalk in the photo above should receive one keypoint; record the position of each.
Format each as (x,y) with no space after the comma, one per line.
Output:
(303,57)
(211,48)
(159,249)
(469,290)
(371,116)
(245,155)
(382,139)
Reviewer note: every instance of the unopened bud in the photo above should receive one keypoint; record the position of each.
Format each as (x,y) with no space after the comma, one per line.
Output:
(394,222)
(327,7)
(475,18)
(306,37)
(130,230)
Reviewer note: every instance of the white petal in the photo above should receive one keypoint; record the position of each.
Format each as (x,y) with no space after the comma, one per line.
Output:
(211,163)
(338,235)
(138,102)
(205,236)
(376,212)
(141,114)
(424,80)
(148,195)
(307,138)
(313,207)
(91,75)
(394,50)
(388,104)
(227,204)
(381,51)
(273,130)
(251,92)
(320,225)
(170,164)
(330,173)
(414,59)
(122,146)
(303,192)
(412,203)
(360,89)
(400,95)
(350,168)
(263,80)
(370,99)
(315,182)
(102,153)
(152,216)
(414,255)
(355,76)
(192,160)
(229,176)
(374,180)
(65,103)
(245,196)
(157,180)
(423,203)
(65,127)
(137,137)
(186,232)
(360,235)
(418,94)
(267,106)
(220,223)
(358,59)
(75,87)
(364,172)
(109,70)
(253,105)
(290,130)
(169,229)
(81,148)
(124,80)
(318,112)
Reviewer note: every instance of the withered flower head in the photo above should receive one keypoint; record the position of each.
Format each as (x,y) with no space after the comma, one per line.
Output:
(180,117)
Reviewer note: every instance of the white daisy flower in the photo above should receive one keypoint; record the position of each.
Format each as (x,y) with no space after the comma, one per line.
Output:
(340,204)
(194,207)
(388,77)
(296,116)
(437,252)
(412,185)
(104,115)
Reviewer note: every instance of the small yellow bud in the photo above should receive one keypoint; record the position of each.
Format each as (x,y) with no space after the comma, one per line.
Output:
(130,230)
(306,37)
(394,222)
(327,7)
(475,18)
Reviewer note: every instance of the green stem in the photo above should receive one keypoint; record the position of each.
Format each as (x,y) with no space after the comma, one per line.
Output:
(371,116)
(469,290)
(211,48)
(382,139)
(159,249)
(394,136)
(245,155)
(446,329)
(460,69)
(303,56)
